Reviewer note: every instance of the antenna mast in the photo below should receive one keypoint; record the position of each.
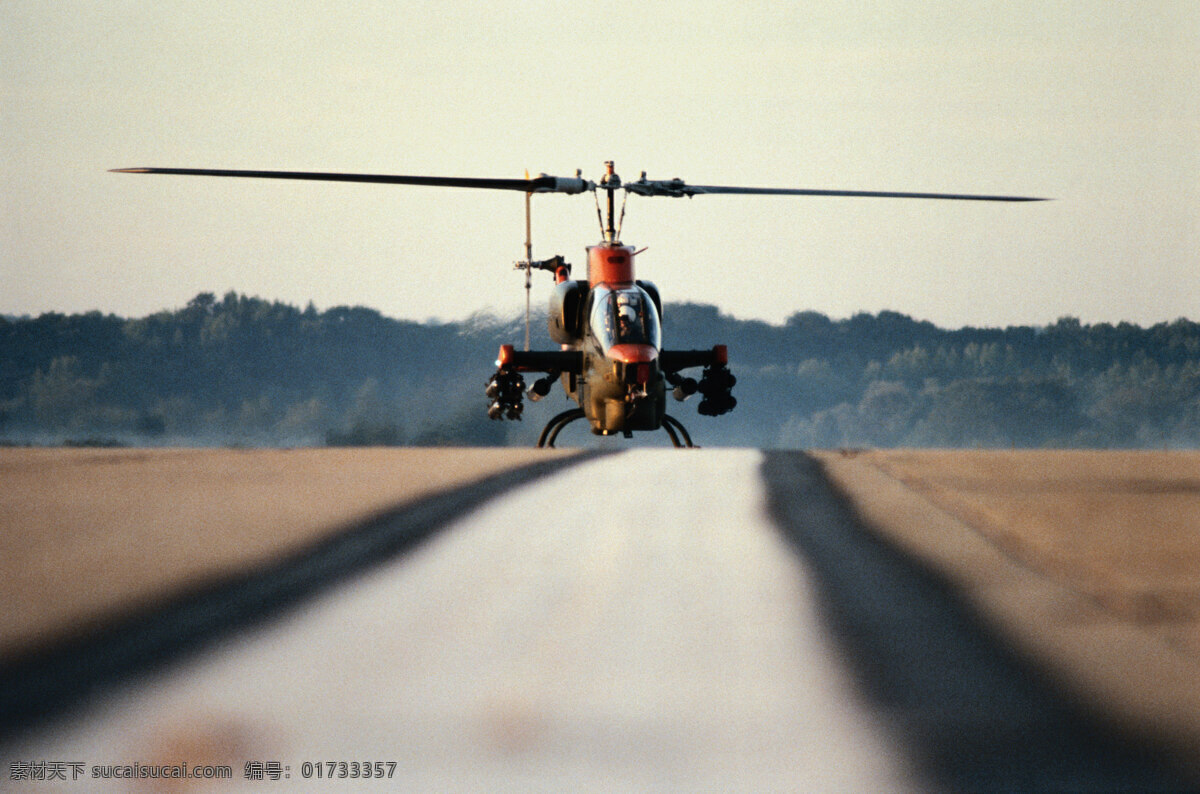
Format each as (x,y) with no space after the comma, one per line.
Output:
(528,261)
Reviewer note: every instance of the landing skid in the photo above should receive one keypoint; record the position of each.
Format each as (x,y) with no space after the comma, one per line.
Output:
(554,427)
(671,424)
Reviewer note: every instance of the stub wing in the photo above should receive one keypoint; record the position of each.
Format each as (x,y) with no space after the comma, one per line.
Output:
(507,387)
(557,361)
(715,385)
(675,360)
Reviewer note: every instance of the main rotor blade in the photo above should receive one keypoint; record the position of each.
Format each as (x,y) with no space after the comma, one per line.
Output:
(860,193)
(540,184)
(679,188)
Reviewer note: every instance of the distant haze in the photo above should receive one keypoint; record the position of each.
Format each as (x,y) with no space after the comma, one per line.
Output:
(1094,104)
(237,370)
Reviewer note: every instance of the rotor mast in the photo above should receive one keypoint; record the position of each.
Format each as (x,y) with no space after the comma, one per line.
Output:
(611,183)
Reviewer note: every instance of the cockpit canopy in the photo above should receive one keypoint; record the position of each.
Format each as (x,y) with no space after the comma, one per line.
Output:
(624,316)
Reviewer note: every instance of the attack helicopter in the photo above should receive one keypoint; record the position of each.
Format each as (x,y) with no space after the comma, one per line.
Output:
(611,360)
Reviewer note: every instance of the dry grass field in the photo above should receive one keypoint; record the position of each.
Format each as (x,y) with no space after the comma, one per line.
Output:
(84,532)
(1122,528)
(1089,561)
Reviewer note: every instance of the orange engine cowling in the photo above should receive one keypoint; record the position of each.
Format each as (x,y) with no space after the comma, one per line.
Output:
(610,264)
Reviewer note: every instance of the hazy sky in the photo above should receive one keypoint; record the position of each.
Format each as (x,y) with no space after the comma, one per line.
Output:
(1096,104)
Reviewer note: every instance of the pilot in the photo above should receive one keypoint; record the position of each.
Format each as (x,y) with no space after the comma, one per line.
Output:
(626,322)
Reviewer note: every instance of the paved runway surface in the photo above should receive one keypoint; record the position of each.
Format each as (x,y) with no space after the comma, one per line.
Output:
(653,620)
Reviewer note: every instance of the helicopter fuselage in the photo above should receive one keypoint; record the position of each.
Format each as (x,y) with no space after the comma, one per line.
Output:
(611,360)
(621,388)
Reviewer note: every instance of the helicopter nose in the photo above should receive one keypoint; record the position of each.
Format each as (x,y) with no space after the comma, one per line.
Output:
(633,363)
(633,354)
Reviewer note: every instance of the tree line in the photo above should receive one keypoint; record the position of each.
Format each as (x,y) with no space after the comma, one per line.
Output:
(243,370)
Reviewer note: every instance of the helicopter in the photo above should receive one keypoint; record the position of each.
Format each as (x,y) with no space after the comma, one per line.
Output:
(611,360)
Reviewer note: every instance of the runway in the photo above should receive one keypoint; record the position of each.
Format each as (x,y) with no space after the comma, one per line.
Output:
(652,620)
